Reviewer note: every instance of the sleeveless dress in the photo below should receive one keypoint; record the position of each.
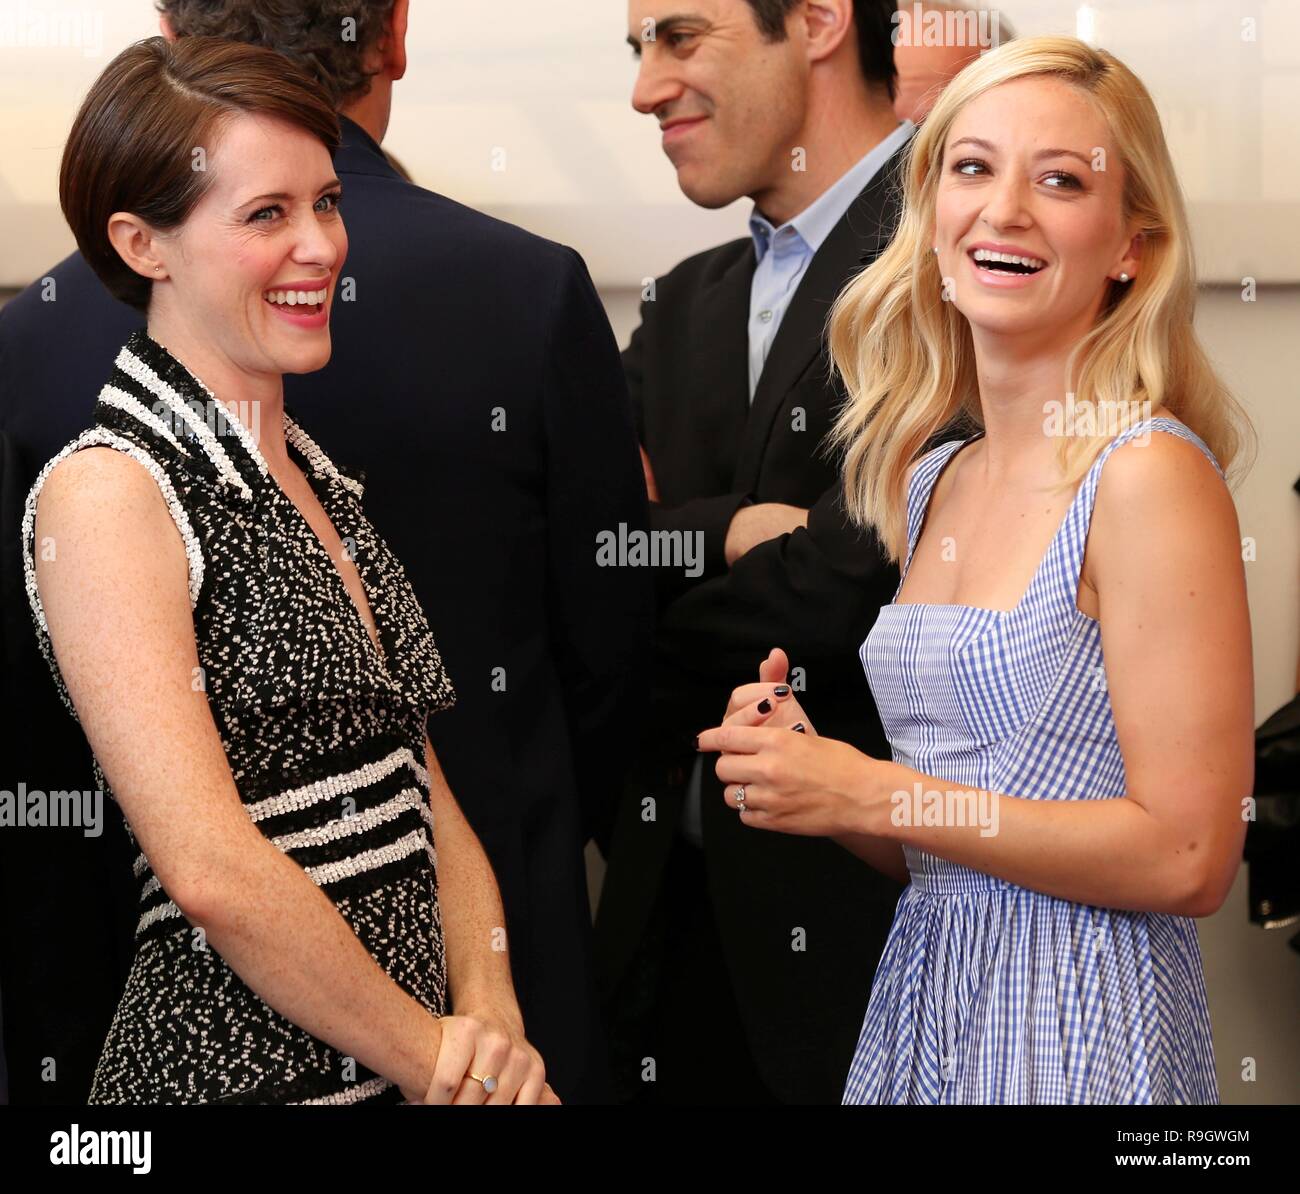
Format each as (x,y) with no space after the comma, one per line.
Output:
(988,992)
(324,736)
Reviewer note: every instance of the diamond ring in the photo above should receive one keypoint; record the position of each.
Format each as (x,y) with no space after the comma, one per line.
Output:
(740,799)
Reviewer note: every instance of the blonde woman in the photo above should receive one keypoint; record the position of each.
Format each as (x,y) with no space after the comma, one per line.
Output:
(1065,671)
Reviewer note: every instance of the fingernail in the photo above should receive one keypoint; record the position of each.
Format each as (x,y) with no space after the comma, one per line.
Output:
(781,690)
(799,728)
(765,706)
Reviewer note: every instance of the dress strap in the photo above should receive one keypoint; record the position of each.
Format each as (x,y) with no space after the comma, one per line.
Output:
(919,489)
(1079,519)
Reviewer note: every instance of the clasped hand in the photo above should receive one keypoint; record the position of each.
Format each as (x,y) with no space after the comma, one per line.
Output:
(484,1045)
(795,781)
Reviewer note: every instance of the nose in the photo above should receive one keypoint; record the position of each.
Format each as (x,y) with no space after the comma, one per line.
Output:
(319,243)
(1005,202)
(655,85)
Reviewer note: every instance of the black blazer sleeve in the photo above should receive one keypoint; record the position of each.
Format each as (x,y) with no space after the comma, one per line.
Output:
(710,516)
(813,592)
(601,617)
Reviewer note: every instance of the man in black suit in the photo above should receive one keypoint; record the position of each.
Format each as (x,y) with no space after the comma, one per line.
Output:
(736,965)
(498,444)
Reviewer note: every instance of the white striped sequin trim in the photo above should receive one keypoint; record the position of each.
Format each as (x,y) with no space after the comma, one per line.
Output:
(361,822)
(162,912)
(333,785)
(99,436)
(316,456)
(368,860)
(353,1094)
(134,367)
(111,395)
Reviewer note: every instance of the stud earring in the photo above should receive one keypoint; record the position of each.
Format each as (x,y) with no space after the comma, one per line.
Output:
(1123,277)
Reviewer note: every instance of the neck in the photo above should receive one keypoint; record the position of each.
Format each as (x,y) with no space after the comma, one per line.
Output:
(239,391)
(372,110)
(1018,377)
(835,136)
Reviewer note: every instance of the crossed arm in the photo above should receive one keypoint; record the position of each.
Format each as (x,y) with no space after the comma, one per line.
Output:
(116,601)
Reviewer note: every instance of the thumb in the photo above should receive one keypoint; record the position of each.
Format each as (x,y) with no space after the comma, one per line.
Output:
(773,669)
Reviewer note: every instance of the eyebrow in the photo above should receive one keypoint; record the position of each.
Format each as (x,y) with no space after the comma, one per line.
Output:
(1042,153)
(333,182)
(665,27)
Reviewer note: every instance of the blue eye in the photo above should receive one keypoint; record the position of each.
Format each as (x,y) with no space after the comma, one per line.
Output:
(960,167)
(1068,180)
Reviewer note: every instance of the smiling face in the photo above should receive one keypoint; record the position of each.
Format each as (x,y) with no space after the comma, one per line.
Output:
(729,102)
(1031,171)
(268,224)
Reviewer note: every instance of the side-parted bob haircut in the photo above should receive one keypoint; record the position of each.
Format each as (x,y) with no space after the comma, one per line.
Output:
(142,138)
(906,356)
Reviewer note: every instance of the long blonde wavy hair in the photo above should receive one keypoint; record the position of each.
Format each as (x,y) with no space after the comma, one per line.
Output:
(906,356)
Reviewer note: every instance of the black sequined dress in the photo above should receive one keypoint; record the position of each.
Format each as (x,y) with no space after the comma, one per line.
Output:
(323,733)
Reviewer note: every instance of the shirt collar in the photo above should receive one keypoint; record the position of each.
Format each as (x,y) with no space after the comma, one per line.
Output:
(813,225)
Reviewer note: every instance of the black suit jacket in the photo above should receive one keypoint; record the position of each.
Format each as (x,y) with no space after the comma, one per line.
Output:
(803,922)
(475,379)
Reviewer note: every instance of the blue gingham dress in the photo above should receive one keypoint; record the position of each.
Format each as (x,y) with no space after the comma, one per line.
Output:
(988,992)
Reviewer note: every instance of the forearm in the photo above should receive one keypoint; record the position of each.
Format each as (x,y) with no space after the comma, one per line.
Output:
(1106,852)
(473,919)
(306,962)
(884,855)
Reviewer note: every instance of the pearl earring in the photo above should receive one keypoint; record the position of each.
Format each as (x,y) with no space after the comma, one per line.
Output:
(1123,277)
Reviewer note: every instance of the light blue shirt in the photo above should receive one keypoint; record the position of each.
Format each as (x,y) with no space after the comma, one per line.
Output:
(783,255)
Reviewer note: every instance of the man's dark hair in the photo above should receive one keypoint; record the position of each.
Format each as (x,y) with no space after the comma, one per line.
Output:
(328,38)
(873,20)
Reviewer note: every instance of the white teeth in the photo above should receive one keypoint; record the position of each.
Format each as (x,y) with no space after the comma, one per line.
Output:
(294,298)
(1007,258)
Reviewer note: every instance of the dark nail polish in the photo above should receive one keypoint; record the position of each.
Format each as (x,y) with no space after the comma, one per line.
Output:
(765,706)
(799,728)
(781,690)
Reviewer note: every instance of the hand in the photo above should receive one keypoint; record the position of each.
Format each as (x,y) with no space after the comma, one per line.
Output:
(770,701)
(487,1043)
(799,784)
(752,525)
(652,490)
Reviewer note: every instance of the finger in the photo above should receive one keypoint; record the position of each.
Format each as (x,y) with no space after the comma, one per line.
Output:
(491,1052)
(747,694)
(756,713)
(773,669)
(549,1097)
(455,1052)
(514,1072)
(741,769)
(739,739)
(534,1087)
(755,799)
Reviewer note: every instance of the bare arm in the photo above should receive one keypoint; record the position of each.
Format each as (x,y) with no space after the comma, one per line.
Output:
(473,920)
(117,605)
(1176,637)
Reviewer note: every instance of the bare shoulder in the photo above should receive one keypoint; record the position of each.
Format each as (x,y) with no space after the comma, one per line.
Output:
(1162,512)
(100,510)
(1161,473)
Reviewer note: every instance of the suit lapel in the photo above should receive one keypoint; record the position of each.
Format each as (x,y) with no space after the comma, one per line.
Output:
(718,374)
(863,231)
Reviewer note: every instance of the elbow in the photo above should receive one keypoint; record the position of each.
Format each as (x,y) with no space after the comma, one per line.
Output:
(1204,890)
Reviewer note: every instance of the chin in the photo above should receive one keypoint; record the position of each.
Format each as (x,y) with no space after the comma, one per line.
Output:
(705,192)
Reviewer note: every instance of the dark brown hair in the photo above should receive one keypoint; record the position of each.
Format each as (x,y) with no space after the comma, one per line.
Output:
(132,145)
(874,22)
(328,38)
